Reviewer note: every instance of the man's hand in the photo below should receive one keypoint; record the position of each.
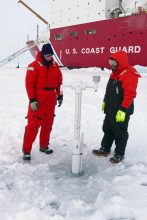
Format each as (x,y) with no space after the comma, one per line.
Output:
(103,106)
(34,106)
(60,100)
(120,116)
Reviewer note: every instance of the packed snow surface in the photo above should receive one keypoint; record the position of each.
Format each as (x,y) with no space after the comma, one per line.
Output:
(45,189)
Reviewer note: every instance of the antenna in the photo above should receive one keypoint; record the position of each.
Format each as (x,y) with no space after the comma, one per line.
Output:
(120,3)
(37,33)
(18,37)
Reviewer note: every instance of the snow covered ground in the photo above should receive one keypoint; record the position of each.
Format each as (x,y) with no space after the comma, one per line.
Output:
(44,189)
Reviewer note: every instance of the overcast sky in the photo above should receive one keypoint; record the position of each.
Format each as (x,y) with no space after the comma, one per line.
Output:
(16,20)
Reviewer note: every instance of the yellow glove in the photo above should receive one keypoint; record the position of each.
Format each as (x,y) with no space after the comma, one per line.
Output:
(120,116)
(103,106)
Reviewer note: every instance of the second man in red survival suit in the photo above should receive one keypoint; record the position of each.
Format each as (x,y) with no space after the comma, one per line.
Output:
(43,81)
(118,105)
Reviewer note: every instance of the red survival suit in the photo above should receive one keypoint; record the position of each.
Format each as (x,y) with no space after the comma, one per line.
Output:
(42,85)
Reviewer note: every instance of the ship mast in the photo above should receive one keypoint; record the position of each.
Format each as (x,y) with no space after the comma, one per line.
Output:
(120,3)
(42,19)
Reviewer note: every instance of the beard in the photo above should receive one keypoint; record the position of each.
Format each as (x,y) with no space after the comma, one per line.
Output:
(114,69)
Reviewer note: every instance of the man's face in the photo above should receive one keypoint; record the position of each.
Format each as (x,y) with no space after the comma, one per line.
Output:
(48,57)
(114,65)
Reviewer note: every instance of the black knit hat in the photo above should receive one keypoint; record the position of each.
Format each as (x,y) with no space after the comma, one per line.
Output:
(46,49)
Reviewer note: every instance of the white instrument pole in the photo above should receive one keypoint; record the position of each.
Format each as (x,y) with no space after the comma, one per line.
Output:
(77,151)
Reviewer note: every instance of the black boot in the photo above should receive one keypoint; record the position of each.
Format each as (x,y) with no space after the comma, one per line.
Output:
(46,150)
(26,156)
(101,152)
(116,158)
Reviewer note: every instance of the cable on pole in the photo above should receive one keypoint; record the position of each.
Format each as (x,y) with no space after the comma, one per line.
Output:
(18,36)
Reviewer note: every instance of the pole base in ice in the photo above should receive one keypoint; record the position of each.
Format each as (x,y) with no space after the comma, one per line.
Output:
(77,174)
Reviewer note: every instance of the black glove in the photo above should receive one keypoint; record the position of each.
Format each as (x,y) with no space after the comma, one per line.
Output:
(60,100)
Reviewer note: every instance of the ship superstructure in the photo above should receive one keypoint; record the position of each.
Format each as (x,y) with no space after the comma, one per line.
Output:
(85,33)
(68,13)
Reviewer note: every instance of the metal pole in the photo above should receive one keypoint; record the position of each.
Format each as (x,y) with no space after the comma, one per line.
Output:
(120,3)
(27,38)
(18,37)
(76,154)
(37,33)
(77,150)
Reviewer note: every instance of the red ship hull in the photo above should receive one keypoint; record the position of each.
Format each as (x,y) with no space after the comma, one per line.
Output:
(118,33)
(93,50)
(33,48)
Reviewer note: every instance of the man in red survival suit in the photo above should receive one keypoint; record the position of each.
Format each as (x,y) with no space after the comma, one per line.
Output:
(118,105)
(43,81)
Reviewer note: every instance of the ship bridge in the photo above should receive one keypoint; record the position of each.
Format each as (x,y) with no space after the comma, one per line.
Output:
(121,8)
(66,13)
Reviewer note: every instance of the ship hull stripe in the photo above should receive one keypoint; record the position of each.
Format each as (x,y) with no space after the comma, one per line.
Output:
(55,55)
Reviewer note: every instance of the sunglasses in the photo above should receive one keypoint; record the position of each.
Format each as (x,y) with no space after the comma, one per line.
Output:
(48,55)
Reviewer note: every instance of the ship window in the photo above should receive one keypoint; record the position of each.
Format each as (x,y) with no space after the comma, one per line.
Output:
(77,17)
(87,15)
(58,37)
(73,34)
(141,33)
(99,13)
(122,34)
(130,32)
(99,0)
(91,31)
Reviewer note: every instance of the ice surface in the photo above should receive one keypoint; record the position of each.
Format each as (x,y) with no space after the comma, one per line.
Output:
(44,189)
